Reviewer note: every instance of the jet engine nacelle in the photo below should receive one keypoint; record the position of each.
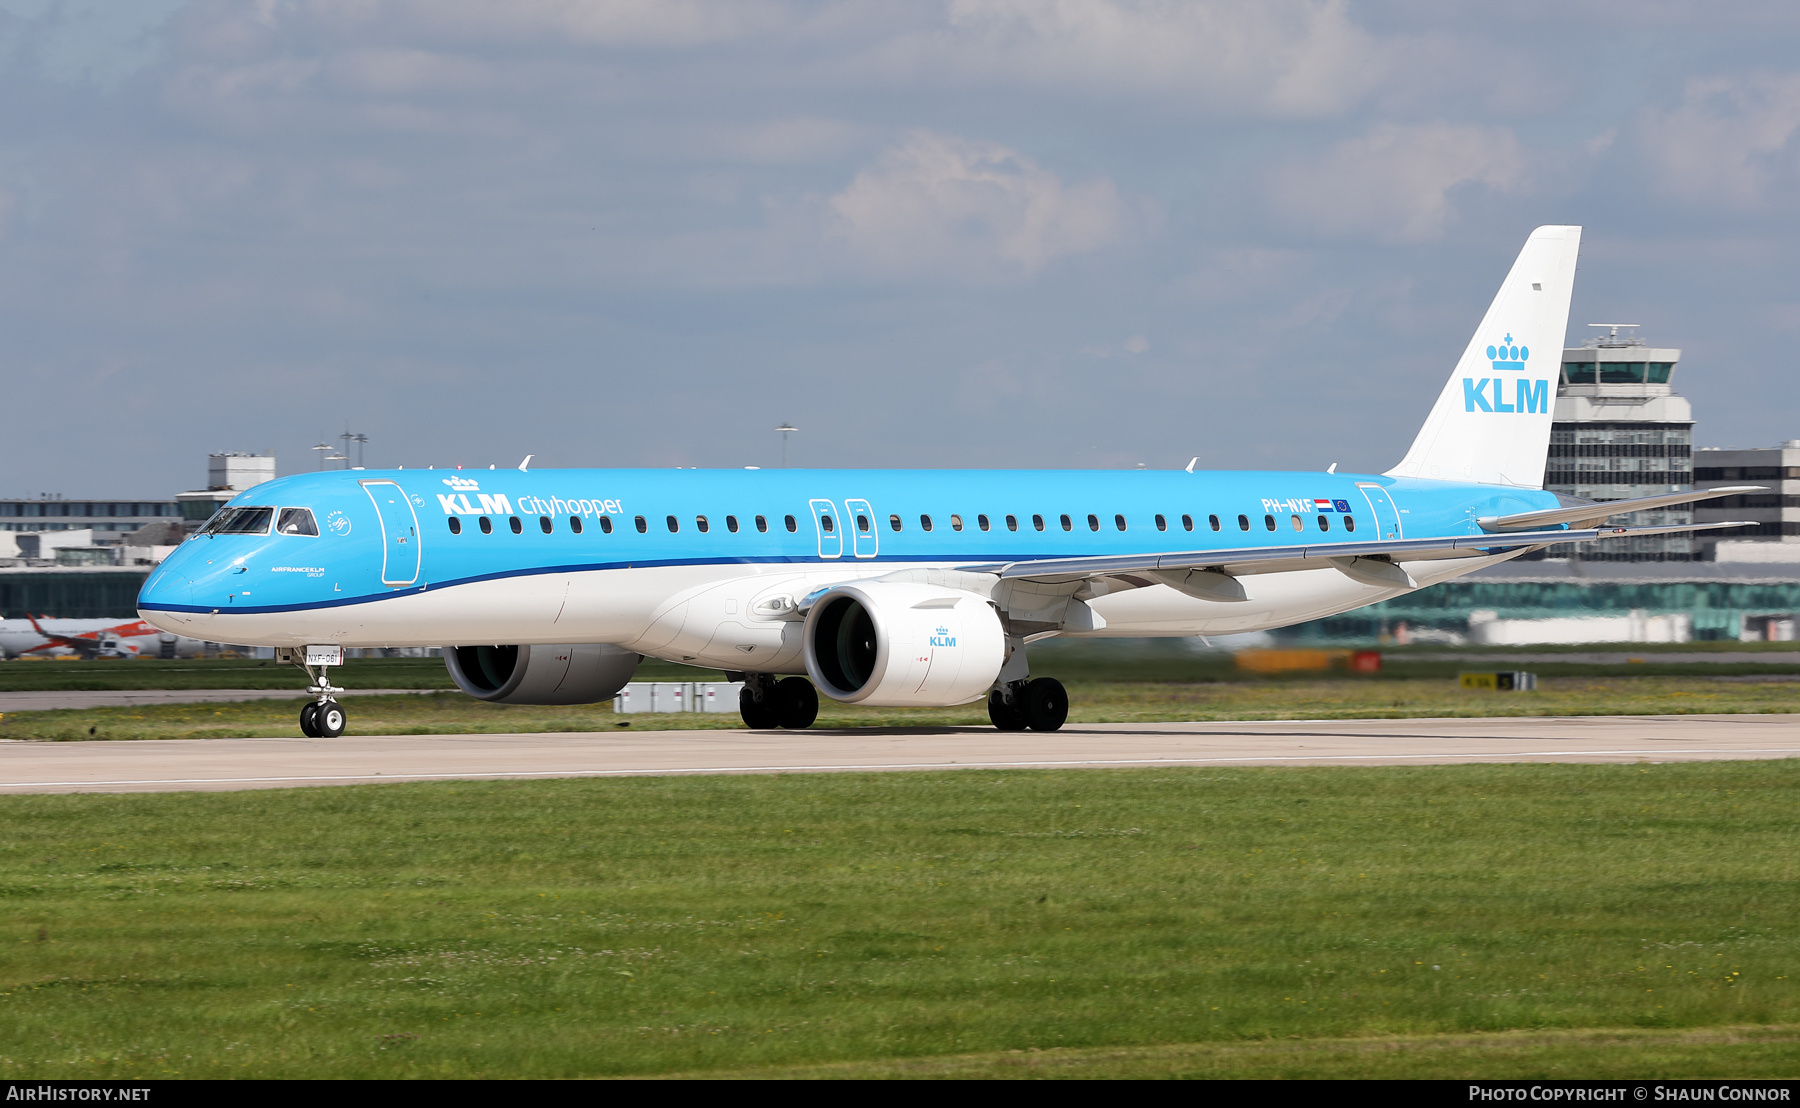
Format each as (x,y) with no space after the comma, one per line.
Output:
(582,673)
(903,645)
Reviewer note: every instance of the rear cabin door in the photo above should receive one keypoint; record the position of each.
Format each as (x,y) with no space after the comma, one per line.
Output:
(400,550)
(865,537)
(1387,517)
(830,524)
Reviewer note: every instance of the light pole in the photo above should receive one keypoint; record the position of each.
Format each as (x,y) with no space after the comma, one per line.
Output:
(786,429)
(361,442)
(323,449)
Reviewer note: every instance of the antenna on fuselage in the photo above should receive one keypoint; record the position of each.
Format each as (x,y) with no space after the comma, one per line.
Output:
(1192,462)
(525,466)
(1332,468)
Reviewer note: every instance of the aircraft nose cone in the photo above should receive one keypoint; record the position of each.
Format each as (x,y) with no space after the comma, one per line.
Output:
(165,595)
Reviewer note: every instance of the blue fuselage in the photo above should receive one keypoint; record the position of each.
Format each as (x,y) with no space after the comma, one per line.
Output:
(383,534)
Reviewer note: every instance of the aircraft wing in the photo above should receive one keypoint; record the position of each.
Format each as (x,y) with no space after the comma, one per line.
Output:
(1208,573)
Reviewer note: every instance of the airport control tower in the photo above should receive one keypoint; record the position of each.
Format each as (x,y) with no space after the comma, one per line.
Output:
(1621,431)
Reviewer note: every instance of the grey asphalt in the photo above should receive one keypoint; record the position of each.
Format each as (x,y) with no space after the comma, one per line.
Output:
(224,764)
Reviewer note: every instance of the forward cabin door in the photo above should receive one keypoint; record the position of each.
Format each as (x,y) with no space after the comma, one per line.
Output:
(830,524)
(400,552)
(1387,517)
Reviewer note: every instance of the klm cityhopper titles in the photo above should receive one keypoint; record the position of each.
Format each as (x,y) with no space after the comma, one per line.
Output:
(881,587)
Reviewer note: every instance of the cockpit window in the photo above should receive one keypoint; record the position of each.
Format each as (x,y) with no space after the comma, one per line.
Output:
(241,521)
(296,521)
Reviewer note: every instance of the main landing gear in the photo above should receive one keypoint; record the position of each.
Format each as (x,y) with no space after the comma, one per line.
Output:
(324,718)
(765,703)
(1040,704)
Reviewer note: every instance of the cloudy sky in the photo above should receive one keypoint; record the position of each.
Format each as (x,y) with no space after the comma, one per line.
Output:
(940,233)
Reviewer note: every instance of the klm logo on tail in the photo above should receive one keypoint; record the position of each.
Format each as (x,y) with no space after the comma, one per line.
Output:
(1528,396)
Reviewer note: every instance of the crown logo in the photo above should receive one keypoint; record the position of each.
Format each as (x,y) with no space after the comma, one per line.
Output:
(1508,356)
(462,484)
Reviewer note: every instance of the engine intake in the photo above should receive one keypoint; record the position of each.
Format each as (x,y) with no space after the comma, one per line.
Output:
(894,644)
(579,673)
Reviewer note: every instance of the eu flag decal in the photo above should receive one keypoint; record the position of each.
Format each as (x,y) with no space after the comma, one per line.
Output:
(1342,505)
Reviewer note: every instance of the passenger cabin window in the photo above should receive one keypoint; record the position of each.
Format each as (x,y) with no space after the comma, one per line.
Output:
(1243,523)
(297,521)
(731,524)
(642,526)
(1213,522)
(762,523)
(455,526)
(924,523)
(955,522)
(1068,525)
(486,525)
(701,525)
(1324,523)
(1269,523)
(1297,524)
(606,525)
(1349,523)
(673,524)
(575,524)
(1012,523)
(545,525)
(791,525)
(862,524)
(1161,524)
(517,525)
(1037,522)
(825,522)
(982,522)
(894,522)
(1119,522)
(1187,523)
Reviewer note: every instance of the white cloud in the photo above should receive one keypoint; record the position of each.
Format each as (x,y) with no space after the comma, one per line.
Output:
(1730,141)
(951,206)
(1287,57)
(634,23)
(1396,181)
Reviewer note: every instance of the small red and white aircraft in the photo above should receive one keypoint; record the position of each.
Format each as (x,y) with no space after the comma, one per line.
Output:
(84,638)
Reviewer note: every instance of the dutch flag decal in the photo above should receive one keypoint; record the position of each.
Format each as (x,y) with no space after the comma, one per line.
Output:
(1322,505)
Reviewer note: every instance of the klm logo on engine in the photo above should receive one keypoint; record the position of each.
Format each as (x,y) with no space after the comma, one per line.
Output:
(1489,394)
(943,637)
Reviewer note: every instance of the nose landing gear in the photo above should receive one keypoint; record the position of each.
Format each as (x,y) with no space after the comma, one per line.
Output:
(324,718)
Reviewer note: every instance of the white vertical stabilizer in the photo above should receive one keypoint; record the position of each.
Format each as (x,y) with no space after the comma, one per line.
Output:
(1491,423)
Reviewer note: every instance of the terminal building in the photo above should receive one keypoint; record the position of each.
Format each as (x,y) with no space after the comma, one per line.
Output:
(1776,534)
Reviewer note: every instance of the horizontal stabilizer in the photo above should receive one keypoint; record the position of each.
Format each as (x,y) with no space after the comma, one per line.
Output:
(1597,511)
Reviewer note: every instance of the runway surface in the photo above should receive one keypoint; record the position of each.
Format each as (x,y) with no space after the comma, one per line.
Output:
(220,764)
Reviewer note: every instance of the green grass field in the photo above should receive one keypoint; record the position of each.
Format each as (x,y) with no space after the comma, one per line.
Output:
(1091,702)
(1142,660)
(1444,921)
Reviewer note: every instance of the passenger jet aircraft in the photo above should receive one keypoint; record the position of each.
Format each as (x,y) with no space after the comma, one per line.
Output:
(884,587)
